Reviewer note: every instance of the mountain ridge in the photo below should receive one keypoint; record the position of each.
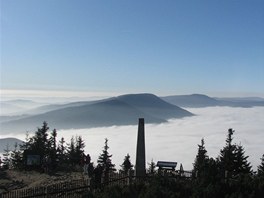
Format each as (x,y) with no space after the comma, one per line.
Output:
(200,100)
(121,110)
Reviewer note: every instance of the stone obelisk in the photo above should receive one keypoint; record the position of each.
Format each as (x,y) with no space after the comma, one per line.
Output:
(140,168)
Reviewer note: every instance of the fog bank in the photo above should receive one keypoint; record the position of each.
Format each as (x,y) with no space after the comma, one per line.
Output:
(177,140)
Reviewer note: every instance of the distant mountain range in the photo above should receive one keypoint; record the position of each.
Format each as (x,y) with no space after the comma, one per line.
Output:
(15,107)
(121,110)
(199,100)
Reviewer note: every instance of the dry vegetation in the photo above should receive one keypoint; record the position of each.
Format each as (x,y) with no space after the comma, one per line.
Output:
(12,179)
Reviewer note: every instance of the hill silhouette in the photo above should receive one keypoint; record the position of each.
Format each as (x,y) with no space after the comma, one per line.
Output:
(154,105)
(8,142)
(199,100)
(122,110)
(15,107)
(194,100)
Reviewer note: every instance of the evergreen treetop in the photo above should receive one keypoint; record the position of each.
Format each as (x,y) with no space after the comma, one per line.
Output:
(233,161)
(75,150)
(241,163)
(17,157)
(261,167)
(201,160)
(39,142)
(227,156)
(127,165)
(104,159)
(152,168)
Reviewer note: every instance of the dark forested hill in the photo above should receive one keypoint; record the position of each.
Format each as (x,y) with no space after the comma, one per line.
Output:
(122,110)
(154,105)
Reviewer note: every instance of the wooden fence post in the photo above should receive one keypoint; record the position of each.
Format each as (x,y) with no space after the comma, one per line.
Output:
(129,179)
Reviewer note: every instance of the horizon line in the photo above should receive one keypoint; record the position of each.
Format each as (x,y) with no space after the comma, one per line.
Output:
(85,94)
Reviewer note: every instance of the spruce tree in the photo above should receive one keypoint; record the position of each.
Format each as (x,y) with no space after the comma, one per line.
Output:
(201,161)
(61,151)
(27,143)
(17,158)
(39,143)
(105,161)
(227,156)
(79,147)
(261,167)
(71,151)
(26,146)
(52,142)
(152,168)
(75,150)
(127,165)
(233,161)
(7,158)
(242,166)
(52,148)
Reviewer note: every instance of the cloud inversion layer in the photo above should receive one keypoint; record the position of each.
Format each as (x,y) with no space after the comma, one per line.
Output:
(178,139)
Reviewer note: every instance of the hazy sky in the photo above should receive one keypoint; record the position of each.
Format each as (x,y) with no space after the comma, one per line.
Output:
(163,47)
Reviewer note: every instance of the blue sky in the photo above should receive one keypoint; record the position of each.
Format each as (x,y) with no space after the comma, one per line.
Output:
(163,47)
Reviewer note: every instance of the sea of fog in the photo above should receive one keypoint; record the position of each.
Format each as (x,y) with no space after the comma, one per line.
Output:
(177,140)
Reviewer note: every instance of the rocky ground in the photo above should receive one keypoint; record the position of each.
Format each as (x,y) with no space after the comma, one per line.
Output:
(12,179)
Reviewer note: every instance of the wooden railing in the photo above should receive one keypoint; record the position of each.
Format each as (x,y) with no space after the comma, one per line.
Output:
(77,188)
(66,189)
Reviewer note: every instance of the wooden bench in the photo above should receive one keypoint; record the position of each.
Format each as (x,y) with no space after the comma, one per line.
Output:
(167,165)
